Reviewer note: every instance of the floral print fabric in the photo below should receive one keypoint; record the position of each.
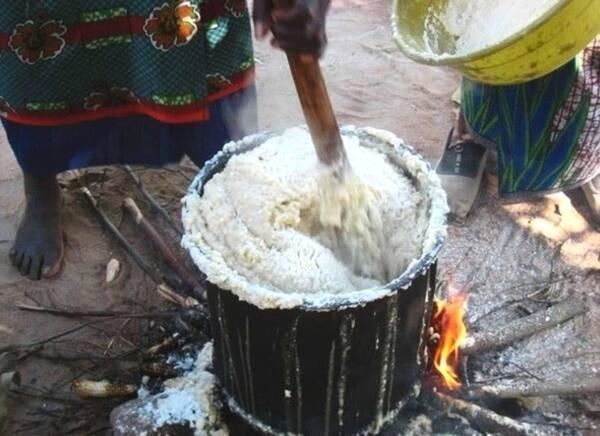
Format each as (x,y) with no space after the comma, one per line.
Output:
(67,62)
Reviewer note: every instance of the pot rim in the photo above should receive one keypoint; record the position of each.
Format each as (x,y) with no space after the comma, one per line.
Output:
(322,302)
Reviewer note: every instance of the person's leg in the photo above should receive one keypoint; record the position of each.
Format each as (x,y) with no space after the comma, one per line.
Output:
(461,168)
(45,152)
(38,248)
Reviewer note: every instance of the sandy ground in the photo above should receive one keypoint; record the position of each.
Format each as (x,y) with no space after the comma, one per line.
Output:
(501,254)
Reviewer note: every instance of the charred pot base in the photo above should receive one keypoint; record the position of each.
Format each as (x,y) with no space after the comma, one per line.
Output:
(321,373)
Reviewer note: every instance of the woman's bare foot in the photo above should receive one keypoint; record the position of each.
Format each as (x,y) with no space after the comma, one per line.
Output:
(38,248)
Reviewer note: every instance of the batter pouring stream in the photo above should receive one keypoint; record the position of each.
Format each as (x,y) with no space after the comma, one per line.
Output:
(351,222)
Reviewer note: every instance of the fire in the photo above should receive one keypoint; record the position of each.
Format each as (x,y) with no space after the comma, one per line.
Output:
(449,323)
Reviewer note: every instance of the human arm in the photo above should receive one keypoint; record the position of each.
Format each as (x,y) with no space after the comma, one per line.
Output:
(296,26)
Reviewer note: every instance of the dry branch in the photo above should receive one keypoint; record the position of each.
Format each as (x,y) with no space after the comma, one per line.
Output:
(523,327)
(170,256)
(484,419)
(158,369)
(7,380)
(153,202)
(163,346)
(145,266)
(14,347)
(169,294)
(69,313)
(575,386)
(102,389)
(54,356)
(162,288)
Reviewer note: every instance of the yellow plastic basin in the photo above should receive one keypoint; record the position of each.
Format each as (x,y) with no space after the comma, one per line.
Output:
(540,47)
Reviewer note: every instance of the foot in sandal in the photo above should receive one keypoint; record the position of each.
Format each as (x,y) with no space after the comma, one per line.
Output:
(592,194)
(460,170)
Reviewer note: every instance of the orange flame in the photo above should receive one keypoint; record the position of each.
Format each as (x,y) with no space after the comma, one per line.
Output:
(448,319)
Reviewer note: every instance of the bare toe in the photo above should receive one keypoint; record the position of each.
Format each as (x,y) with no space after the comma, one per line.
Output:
(49,270)
(24,268)
(18,259)
(35,270)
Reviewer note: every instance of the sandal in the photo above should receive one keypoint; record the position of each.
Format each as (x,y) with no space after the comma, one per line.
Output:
(591,190)
(460,170)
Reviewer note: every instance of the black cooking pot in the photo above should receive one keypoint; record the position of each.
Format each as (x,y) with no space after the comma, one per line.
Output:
(329,366)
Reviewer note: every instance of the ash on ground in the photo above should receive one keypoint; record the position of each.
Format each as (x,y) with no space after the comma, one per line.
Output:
(185,405)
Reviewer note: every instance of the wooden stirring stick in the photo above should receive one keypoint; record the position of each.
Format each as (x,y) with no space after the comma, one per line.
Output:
(316,106)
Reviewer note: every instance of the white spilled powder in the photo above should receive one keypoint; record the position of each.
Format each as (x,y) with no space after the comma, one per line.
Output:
(173,406)
(189,399)
(259,228)
(184,364)
(467,26)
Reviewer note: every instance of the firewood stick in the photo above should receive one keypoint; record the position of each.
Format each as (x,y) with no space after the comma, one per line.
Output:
(484,419)
(15,347)
(169,294)
(575,386)
(158,369)
(163,346)
(7,380)
(171,257)
(523,327)
(102,389)
(132,252)
(157,207)
(77,313)
(161,287)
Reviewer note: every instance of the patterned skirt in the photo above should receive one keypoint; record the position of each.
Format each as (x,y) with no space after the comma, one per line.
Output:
(96,82)
(133,140)
(546,132)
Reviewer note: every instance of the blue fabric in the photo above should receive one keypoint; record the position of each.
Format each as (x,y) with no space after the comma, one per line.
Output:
(138,140)
(543,130)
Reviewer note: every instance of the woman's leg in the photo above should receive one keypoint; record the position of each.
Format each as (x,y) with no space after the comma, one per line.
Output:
(45,152)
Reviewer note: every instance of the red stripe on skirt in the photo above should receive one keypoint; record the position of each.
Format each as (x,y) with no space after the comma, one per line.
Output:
(120,26)
(195,112)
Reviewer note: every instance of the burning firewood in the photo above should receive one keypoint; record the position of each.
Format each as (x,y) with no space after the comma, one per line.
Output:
(580,386)
(522,328)
(482,418)
(447,332)
(448,340)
